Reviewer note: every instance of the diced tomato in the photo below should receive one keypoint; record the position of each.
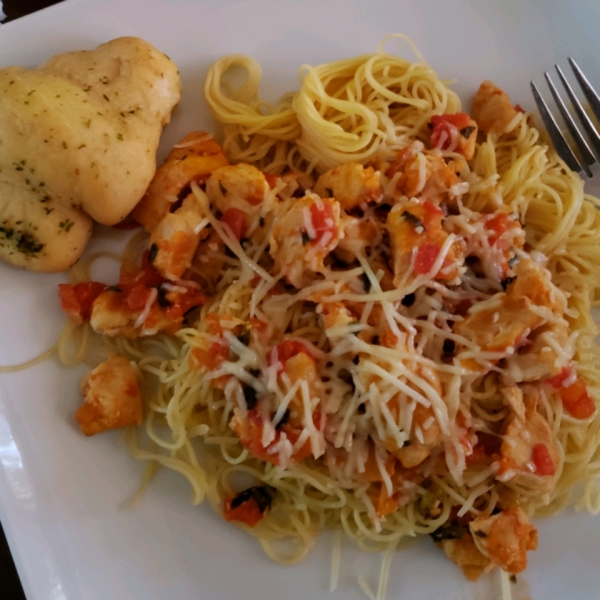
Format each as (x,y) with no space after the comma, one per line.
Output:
(441,134)
(137,297)
(77,300)
(577,401)
(542,460)
(519,108)
(210,358)
(257,324)
(305,451)
(426,256)
(477,457)
(234,219)
(286,350)
(558,380)
(322,219)
(147,276)
(247,512)
(459,120)
(271,179)
(388,339)
(432,211)
(498,224)
(506,464)
(187,301)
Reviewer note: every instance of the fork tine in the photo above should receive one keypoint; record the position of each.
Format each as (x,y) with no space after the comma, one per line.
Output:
(588,157)
(588,90)
(585,120)
(558,139)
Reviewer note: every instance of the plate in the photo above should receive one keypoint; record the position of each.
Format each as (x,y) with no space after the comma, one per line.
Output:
(64,498)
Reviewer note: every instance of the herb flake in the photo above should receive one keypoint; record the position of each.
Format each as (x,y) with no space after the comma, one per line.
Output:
(412,219)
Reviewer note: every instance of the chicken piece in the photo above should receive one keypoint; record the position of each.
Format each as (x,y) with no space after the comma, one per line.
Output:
(250,430)
(529,453)
(208,262)
(334,315)
(463,552)
(513,397)
(175,239)
(302,367)
(194,158)
(112,397)
(535,282)
(505,538)
(422,173)
(502,322)
(294,359)
(425,432)
(416,228)
(359,236)
(494,244)
(381,267)
(506,319)
(419,446)
(351,185)
(546,357)
(141,311)
(242,188)
(492,109)
(371,472)
(307,231)
(77,300)
(454,133)
(83,130)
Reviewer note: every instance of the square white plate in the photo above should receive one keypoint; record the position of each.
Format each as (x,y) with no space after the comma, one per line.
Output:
(63,497)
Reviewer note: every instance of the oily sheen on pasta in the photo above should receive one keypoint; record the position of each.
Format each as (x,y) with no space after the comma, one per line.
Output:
(370,308)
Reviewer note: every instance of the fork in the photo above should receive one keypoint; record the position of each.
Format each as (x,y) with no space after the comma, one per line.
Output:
(588,156)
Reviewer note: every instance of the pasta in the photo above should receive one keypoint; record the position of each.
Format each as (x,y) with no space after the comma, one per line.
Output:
(394,334)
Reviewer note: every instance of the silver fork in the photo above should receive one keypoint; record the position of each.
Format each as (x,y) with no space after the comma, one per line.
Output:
(589,153)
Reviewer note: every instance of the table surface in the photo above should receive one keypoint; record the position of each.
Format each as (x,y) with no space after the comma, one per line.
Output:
(10,585)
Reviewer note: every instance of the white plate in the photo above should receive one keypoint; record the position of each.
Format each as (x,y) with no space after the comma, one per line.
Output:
(63,497)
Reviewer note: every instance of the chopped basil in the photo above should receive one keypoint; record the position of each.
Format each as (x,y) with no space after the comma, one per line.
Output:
(452,531)
(467,131)
(152,252)
(223,188)
(263,496)
(408,300)
(449,346)
(161,298)
(284,419)
(305,238)
(366,282)
(250,396)
(244,338)
(412,219)
(506,282)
